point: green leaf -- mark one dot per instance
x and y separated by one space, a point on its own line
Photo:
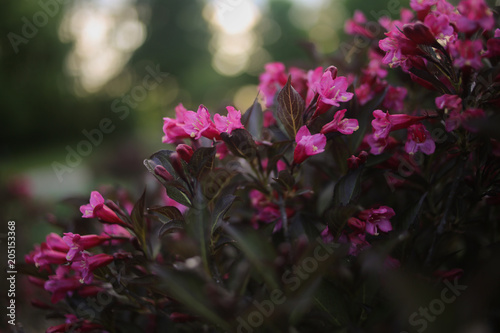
252 119
241 143
202 161
138 224
290 108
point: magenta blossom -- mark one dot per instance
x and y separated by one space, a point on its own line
313 78
355 26
394 99
422 5
475 14
384 123
271 80
198 124
331 92
307 145
339 124
172 128
97 208
79 243
87 264
229 123
95 199
377 219
467 53
419 139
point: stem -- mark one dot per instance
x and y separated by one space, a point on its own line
284 218
449 202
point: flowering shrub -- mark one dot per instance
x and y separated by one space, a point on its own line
314 214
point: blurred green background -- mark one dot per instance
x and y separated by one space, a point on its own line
84 90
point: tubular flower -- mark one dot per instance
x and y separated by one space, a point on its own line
377 219
97 208
339 124
384 123
229 123
198 124
331 91
419 139
77 243
87 264
172 128
308 145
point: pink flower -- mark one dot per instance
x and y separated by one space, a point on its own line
313 78
114 230
44 256
355 26
172 128
354 162
394 99
79 243
377 219
457 118
268 119
339 124
56 242
418 5
419 139
184 151
198 124
377 144
95 199
399 49
97 208
475 14
364 93
331 91
87 264
384 123
307 145
450 102
61 284
229 123
467 53
441 28
271 80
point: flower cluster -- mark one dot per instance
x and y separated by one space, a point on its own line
341 175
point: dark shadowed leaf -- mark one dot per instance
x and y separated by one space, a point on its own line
252 119
138 222
171 212
257 250
222 205
241 143
189 289
348 188
285 179
411 214
202 161
178 193
290 108
171 226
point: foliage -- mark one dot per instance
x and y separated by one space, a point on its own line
301 217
